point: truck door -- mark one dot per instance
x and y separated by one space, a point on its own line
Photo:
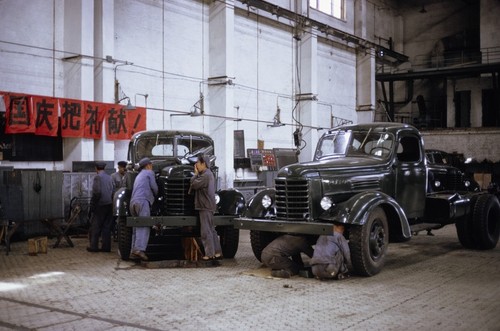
411 175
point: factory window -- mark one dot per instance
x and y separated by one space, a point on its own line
335 8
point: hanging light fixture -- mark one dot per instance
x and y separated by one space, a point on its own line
129 105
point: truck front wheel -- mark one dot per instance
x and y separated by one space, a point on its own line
368 244
124 238
229 240
486 221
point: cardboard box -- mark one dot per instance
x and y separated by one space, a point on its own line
37 245
483 179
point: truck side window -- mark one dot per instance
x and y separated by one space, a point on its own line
409 149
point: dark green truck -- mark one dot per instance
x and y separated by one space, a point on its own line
375 179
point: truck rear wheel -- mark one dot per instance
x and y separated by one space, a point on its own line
229 240
368 243
259 240
486 221
124 238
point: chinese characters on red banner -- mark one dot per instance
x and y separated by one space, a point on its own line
77 119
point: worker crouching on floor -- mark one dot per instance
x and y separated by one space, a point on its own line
282 255
332 256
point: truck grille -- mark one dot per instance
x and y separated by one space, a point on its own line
177 200
292 199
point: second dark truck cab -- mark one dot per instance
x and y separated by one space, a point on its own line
173 216
375 179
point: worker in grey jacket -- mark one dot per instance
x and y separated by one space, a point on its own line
332 256
203 185
101 206
282 255
143 195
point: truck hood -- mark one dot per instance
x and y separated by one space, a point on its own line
338 165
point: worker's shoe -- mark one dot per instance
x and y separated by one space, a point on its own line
342 276
281 273
138 255
92 250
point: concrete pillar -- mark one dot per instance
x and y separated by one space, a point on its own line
220 89
78 72
365 85
306 94
104 75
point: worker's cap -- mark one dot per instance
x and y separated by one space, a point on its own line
144 162
100 165
122 164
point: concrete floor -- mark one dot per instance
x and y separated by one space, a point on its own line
429 283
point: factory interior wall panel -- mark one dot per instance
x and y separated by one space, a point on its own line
483 146
337 83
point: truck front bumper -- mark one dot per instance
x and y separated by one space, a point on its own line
283 226
177 221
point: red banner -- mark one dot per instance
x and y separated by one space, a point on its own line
79 119
72 118
18 114
47 115
94 117
136 120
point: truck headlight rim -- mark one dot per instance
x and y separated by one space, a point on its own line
326 203
266 201
217 199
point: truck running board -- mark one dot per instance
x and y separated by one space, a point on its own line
425 226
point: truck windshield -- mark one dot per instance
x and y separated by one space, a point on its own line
158 147
355 143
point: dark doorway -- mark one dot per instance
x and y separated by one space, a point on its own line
462 109
491 116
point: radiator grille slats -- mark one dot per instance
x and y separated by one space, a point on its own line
177 200
292 199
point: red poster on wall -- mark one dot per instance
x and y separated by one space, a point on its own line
72 118
136 120
19 114
94 118
46 110
116 122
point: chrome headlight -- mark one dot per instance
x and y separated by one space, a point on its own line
266 201
437 183
326 203
467 183
217 199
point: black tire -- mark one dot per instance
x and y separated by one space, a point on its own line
259 240
486 221
465 229
368 244
124 238
465 233
229 240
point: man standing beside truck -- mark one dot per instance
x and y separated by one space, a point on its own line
203 185
143 195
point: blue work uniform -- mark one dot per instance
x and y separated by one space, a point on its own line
331 256
143 195
102 211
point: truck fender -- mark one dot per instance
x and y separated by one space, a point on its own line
121 201
255 208
357 209
232 202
